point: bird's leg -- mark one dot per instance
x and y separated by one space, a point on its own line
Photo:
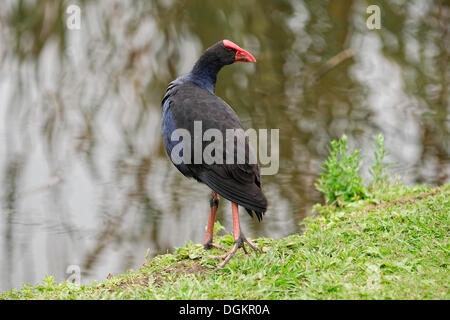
239 238
214 204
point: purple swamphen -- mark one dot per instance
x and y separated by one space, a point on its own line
190 98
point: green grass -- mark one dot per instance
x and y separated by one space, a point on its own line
394 246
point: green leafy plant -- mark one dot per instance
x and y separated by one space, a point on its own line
217 228
378 169
341 181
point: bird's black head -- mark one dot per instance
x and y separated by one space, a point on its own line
214 58
226 52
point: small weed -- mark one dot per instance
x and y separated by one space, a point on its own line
341 181
378 169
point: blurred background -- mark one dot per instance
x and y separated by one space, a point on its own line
84 176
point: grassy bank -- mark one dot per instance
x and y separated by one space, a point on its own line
395 246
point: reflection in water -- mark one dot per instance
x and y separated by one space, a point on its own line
85 179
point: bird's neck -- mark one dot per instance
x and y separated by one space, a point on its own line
204 73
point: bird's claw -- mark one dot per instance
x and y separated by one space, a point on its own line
210 245
239 243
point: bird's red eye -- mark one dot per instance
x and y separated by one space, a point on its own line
229 50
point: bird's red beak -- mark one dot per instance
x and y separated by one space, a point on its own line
241 54
244 56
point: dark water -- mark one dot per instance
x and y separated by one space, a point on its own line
84 176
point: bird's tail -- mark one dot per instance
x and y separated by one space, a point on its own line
249 196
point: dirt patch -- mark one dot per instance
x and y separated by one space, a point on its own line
142 280
157 278
183 268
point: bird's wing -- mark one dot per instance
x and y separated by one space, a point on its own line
237 182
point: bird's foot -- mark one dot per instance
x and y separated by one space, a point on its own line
239 243
209 245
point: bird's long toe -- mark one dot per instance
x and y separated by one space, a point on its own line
239 243
230 254
210 245
252 245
